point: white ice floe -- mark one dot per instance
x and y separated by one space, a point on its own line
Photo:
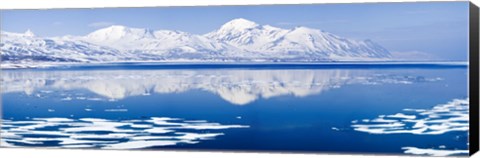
20 141
153 137
67 99
116 110
93 120
94 99
402 116
4 143
433 152
34 126
197 121
165 121
197 136
63 141
381 119
20 122
5 135
38 132
450 117
201 126
141 126
158 130
108 134
146 144
54 119
101 126
79 146
441 119
103 136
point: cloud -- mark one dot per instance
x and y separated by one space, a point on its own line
100 24
413 55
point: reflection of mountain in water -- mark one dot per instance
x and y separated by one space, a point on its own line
235 86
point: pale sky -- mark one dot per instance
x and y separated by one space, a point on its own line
435 29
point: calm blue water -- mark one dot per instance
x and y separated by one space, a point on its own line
315 109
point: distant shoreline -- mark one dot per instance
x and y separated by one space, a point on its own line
233 65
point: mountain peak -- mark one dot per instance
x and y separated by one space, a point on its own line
239 24
117 32
29 33
117 27
114 29
304 28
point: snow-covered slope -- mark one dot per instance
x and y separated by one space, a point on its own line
162 43
300 43
237 40
28 47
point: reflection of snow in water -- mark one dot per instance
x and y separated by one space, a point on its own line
235 86
443 118
108 134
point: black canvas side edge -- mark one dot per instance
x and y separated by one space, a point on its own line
473 79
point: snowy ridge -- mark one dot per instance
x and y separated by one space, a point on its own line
237 40
298 43
160 43
28 47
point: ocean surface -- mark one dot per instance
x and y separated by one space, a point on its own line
373 109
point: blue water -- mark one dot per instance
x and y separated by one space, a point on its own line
269 108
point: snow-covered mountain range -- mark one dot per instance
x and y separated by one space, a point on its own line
236 40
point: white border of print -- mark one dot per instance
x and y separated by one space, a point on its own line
44 4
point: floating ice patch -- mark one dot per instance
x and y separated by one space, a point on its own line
158 130
54 119
108 134
441 119
146 144
433 152
67 99
116 110
141 126
402 116
205 126
94 99
197 136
